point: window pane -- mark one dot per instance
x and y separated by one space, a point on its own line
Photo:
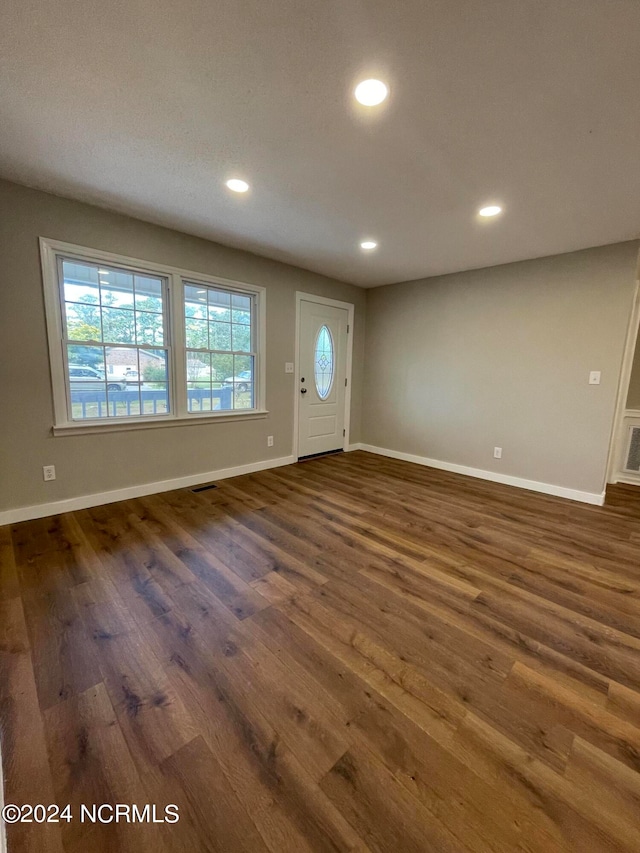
199 396
118 325
198 367
121 362
86 356
87 294
323 362
87 383
196 332
116 289
220 336
243 384
123 403
221 368
241 338
195 302
241 302
80 282
148 293
77 271
155 398
241 306
83 322
219 306
153 364
149 329
242 317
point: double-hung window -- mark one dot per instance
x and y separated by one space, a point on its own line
220 332
133 342
115 353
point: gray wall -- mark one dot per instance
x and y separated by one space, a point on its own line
454 365
633 397
501 357
94 463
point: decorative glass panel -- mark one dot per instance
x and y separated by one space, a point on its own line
323 362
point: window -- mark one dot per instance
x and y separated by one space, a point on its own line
114 334
133 343
219 336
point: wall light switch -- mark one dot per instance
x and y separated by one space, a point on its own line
497 453
288 367
594 377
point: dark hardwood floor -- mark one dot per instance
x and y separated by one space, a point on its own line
348 654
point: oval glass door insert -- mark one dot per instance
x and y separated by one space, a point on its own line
323 362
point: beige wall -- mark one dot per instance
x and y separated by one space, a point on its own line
458 364
95 463
454 365
633 397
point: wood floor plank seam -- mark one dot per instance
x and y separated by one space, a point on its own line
352 654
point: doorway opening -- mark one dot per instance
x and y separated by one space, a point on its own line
624 451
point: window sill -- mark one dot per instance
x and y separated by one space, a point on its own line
79 428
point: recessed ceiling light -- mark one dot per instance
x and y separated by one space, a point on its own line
491 210
368 244
237 185
370 93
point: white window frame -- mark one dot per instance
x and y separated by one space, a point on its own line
253 353
176 278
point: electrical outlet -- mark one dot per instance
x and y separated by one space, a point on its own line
269 441
497 453
49 472
288 367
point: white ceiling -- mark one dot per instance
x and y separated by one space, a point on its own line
148 106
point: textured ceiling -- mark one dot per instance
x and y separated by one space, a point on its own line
148 106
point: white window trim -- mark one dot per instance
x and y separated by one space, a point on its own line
176 278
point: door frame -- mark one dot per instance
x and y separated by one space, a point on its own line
624 381
333 303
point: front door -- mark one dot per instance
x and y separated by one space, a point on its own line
322 360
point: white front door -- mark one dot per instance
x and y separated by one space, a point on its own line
322 361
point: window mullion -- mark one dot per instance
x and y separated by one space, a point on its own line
80 366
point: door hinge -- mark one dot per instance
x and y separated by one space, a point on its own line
344 432
347 328
345 383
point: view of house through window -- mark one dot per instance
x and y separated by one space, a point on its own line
219 337
119 352
115 341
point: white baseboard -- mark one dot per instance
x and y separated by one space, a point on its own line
533 485
25 513
627 479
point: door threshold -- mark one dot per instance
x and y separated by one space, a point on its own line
318 455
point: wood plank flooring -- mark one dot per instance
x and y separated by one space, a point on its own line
348 654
